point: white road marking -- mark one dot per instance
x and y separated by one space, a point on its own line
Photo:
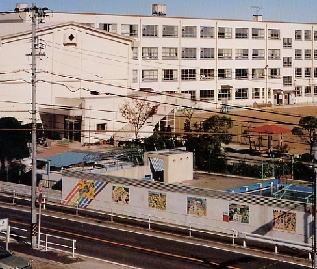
162 237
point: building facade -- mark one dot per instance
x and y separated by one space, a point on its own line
218 61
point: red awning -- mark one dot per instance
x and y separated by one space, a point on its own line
269 129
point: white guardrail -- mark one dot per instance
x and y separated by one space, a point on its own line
49 242
219 231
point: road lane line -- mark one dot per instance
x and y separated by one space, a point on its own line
134 247
162 237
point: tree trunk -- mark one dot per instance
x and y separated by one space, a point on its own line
2 161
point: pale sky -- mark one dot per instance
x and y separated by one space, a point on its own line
282 10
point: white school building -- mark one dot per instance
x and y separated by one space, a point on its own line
214 62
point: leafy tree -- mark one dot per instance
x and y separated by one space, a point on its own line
206 142
307 129
188 113
137 112
13 141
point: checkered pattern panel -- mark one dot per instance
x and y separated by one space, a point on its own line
237 197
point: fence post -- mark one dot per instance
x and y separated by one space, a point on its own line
244 243
275 249
233 236
74 247
13 200
111 215
149 222
309 256
44 202
77 205
46 242
190 230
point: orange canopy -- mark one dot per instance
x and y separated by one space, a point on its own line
269 129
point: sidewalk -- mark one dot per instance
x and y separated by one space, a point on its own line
58 260
82 263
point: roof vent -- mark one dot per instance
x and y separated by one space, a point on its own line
20 7
257 13
257 18
158 10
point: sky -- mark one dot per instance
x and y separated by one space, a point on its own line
281 10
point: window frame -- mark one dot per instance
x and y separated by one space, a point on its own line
274 34
169 55
243 93
260 30
225 34
169 74
244 34
224 54
170 34
211 34
189 53
186 33
150 32
241 73
151 52
206 74
152 77
189 74
241 56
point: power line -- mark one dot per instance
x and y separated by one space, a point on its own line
180 97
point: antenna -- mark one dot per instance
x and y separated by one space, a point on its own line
256 10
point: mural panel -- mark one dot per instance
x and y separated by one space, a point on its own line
284 221
120 194
197 206
84 192
239 213
157 200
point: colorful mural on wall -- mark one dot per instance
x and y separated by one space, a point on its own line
239 213
84 192
197 206
157 200
120 194
284 221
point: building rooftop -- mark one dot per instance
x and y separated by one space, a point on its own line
219 182
161 17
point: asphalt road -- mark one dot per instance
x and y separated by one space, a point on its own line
141 250
161 228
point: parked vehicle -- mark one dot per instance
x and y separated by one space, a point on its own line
10 261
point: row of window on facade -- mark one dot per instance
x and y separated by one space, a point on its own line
227 93
152 75
171 53
204 31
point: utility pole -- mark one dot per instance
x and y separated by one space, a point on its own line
37 14
33 190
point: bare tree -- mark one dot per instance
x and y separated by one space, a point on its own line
137 112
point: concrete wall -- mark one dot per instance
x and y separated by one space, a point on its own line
131 172
173 208
178 165
65 76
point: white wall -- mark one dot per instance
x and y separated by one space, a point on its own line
176 211
96 56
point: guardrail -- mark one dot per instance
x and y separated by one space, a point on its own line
54 245
49 242
149 220
275 242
